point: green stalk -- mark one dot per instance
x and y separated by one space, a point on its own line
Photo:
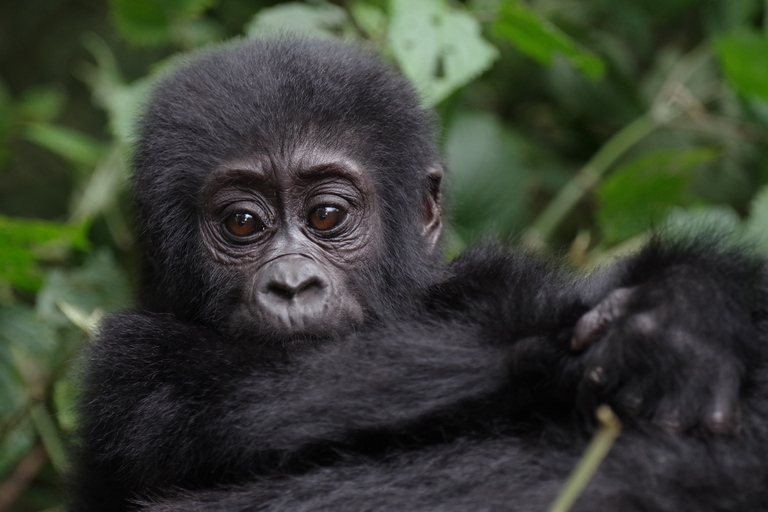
545 225
46 428
596 451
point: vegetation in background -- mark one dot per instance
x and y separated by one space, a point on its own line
573 127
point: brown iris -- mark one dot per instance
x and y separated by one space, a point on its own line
326 218
243 224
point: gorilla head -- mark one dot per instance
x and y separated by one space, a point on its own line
280 195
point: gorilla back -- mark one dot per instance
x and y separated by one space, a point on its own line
299 343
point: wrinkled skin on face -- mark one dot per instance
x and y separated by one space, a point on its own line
297 232
290 199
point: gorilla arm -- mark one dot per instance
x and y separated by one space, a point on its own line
171 404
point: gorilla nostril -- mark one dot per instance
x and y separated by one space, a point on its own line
312 284
287 291
281 290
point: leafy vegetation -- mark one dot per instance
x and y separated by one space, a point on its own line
574 127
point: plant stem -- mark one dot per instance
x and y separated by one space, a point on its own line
46 428
544 226
596 451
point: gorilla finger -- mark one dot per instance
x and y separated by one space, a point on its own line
594 323
678 411
591 392
587 329
600 382
723 415
596 376
670 421
632 400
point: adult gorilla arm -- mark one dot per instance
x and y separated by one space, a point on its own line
170 404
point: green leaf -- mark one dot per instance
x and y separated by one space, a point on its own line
640 194
322 21
540 40
731 15
488 178
15 445
25 243
151 22
103 187
371 19
125 104
122 102
100 284
20 327
12 391
438 48
70 144
41 104
741 57
65 395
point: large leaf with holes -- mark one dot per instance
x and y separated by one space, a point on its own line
438 48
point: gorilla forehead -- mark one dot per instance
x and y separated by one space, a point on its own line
267 97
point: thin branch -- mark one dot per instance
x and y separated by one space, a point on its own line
672 101
49 434
596 451
589 175
23 475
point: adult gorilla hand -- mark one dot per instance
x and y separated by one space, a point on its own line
675 350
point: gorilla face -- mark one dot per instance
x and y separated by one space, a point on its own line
297 233
295 198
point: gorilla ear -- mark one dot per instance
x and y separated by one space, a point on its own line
433 220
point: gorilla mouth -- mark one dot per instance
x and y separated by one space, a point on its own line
307 340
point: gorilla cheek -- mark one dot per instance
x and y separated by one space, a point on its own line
296 295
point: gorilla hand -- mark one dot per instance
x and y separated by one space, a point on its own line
670 350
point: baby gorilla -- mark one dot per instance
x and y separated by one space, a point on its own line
299 342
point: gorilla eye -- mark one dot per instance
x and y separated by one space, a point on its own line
243 224
325 218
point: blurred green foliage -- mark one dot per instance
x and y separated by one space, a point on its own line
573 127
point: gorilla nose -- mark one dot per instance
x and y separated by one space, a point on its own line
290 288
293 291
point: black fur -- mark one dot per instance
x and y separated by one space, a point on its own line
460 391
